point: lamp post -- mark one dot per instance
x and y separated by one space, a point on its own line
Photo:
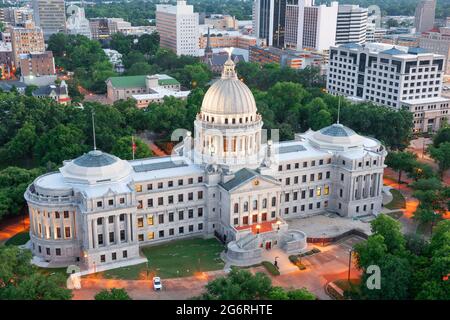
278 225
257 228
349 263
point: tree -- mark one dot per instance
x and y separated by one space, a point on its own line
148 44
19 280
141 68
123 149
442 135
61 143
370 251
442 156
21 145
238 285
112 294
390 229
29 89
133 57
13 183
421 171
400 161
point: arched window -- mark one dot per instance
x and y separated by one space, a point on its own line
226 120
264 203
245 206
255 204
274 201
236 207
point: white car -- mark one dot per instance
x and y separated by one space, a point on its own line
157 285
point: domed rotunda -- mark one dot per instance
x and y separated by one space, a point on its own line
228 127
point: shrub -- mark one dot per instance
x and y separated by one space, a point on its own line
315 250
293 259
271 268
301 266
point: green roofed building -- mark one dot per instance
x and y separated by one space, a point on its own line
125 87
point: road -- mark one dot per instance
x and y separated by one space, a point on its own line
329 265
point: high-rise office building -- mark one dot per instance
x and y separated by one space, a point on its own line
178 28
437 41
50 15
351 24
269 22
393 76
295 10
424 17
319 26
26 39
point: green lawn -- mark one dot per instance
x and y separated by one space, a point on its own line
18 239
346 286
395 214
51 271
174 259
398 201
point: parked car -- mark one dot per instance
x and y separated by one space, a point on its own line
157 285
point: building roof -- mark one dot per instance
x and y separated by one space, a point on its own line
229 95
95 159
242 176
8 85
139 81
350 45
417 50
392 51
219 59
337 130
47 90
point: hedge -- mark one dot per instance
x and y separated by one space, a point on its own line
271 268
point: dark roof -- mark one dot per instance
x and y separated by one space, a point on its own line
392 51
8 84
46 90
417 50
158 166
95 158
220 59
337 130
243 176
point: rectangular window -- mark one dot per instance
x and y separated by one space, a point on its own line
140 237
170 199
67 232
161 218
190 181
149 186
200 212
190 213
138 188
140 222
160 185
170 216
171 231
113 256
180 198
125 254
122 235
160 201
200 195
180 182
191 228
200 226
111 237
150 203
100 239
161 234
102 258
66 214
170 184
149 219
180 215
58 251
150 235
181 230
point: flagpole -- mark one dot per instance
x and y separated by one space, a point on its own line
133 146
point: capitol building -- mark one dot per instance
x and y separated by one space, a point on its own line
226 180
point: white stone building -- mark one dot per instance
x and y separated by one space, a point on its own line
225 181
394 76
178 28
76 22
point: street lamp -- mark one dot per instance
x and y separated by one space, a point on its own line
278 225
257 228
349 263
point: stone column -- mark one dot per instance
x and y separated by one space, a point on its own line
106 230
89 232
117 228
61 225
128 226
95 232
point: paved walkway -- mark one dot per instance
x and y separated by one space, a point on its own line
173 289
284 265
